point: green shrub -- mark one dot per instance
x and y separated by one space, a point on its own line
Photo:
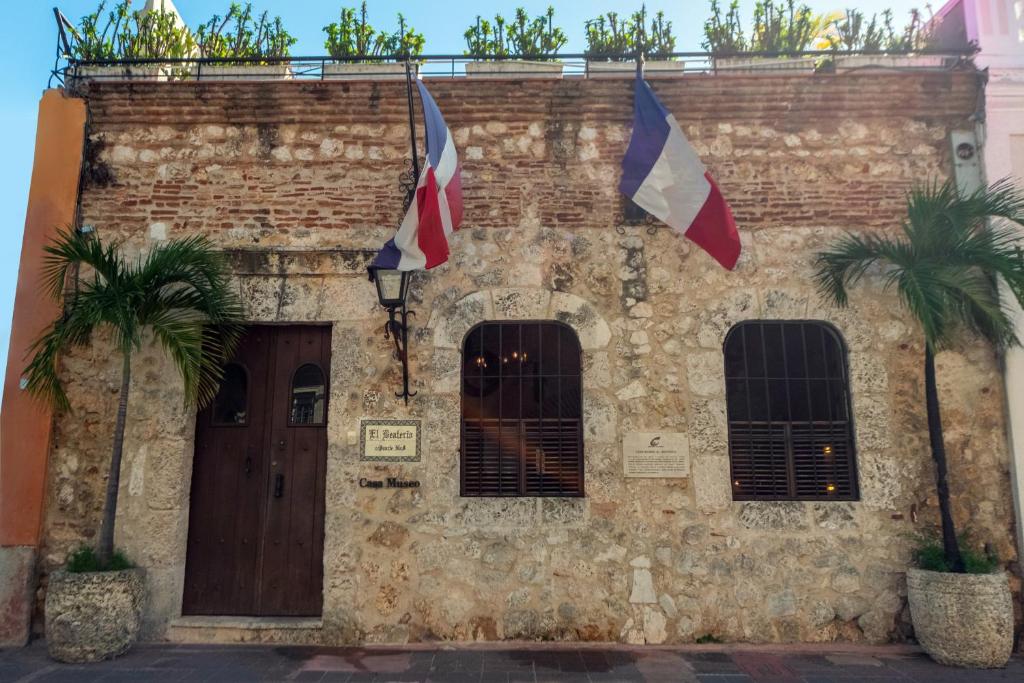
617 40
130 35
522 38
930 555
353 36
85 560
723 32
849 32
240 34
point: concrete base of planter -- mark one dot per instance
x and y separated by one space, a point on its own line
244 72
747 65
889 61
93 616
374 71
145 72
628 69
962 619
517 68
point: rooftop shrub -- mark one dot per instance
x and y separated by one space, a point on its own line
854 32
239 33
523 37
617 40
130 35
353 36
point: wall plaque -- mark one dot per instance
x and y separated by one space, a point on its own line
389 440
656 455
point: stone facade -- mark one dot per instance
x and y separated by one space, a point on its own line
299 182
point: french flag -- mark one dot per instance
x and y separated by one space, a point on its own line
663 175
436 211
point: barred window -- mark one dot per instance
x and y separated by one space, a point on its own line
790 426
521 410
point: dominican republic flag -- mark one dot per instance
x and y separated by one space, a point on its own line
436 210
663 175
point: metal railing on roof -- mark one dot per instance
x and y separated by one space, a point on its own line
574 65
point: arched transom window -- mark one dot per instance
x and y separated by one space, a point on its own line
521 410
790 424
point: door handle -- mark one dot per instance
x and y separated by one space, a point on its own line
278 486
248 466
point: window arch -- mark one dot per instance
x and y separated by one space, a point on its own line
231 404
522 415
308 397
788 403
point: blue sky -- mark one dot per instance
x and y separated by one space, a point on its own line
27 55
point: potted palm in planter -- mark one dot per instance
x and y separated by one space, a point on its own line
352 38
521 47
129 36
260 46
779 27
946 268
874 38
181 296
613 46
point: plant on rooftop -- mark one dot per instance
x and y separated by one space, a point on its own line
353 36
945 265
784 27
533 39
615 40
128 35
522 38
723 32
852 32
239 33
180 295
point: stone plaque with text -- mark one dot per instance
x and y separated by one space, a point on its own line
656 455
389 440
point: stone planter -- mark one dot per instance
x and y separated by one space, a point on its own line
93 616
120 72
627 69
517 68
889 61
747 65
368 71
243 72
962 619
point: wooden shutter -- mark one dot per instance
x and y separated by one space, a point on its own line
790 432
521 411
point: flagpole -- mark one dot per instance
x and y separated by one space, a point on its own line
412 126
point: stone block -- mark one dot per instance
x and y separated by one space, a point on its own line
452 324
590 327
521 304
17 594
773 515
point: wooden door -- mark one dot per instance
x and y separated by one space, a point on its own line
256 523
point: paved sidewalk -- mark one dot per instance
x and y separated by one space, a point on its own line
564 663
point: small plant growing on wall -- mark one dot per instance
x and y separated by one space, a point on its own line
239 33
353 36
180 295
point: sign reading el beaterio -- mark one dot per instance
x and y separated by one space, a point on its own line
389 440
656 454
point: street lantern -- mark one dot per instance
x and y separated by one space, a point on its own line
392 292
392 286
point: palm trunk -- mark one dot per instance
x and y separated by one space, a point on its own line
106 544
950 545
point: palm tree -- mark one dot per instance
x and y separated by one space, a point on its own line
180 293
946 267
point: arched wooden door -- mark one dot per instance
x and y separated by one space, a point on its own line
256 520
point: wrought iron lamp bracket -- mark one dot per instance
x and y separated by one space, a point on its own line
397 329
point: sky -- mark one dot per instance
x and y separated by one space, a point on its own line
28 55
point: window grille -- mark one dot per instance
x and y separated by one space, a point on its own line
521 411
790 424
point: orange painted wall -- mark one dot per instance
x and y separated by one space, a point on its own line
25 423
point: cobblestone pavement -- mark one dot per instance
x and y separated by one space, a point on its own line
513 662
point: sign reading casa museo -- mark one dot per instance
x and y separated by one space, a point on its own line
656 454
389 440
